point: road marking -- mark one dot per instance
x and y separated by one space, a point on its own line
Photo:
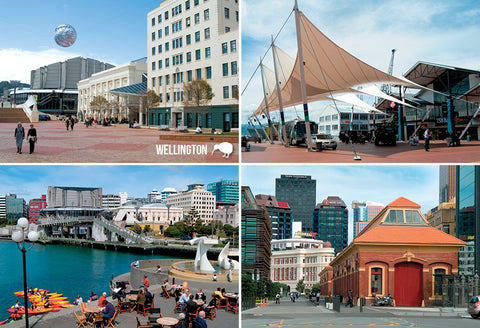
391 324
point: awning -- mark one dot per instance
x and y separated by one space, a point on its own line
138 89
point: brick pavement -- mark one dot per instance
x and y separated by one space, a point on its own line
112 144
468 152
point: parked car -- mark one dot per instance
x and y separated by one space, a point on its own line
326 140
43 117
474 307
185 237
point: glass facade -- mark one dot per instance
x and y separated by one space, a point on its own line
330 222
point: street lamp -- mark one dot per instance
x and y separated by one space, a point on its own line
18 236
168 219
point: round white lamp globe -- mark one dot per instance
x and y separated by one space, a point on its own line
33 236
17 236
22 223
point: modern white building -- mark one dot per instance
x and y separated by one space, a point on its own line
167 192
74 197
3 207
100 84
153 196
123 197
111 201
335 119
227 216
190 40
299 258
198 198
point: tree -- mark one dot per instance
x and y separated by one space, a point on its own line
300 286
174 231
137 228
100 104
229 230
198 94
147 228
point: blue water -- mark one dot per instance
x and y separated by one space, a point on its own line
71 270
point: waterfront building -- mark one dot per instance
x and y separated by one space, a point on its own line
299 258
337 119
167 192
15 207
104 83
330 222
227 214
194 40
35 206
256 234
468 211
399 254
197 198
74 197
224 190
111 201
159 216
153 196
55 86
3 207
442 217
280 216
447 183
363 213
299 191
123 197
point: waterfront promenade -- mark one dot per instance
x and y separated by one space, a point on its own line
304 314
102 144
468 152
66 319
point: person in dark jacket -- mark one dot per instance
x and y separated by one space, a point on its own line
32 137
19 136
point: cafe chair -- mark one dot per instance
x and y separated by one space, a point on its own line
222 303
210 312
143 324
82 320
111 322
165 293
141 308
232 305
98 320
153 315
123 305
192 314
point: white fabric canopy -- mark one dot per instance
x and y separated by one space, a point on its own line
329 70
354 100
376 92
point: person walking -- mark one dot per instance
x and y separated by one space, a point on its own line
349 299
32 137
427 136
67 123
277 298
19 136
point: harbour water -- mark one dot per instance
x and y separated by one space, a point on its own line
71 270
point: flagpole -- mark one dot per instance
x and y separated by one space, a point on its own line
279 94
302 77
270 130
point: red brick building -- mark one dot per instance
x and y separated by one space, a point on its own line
399 254
34 207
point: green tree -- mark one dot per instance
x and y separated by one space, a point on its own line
198 94
191 221
229 230
137 228
316 287
147 228
173 231
99 104
300 286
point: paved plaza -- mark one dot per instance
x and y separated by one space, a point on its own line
468 152
102 144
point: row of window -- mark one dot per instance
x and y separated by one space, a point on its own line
285 260
178 43
281 274
348 116
176 11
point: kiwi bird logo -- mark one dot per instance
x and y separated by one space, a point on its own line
225 147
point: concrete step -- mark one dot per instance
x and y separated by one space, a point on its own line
13 115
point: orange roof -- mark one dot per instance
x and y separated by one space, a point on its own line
407 235
403 202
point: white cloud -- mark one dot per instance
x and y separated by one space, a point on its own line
17 64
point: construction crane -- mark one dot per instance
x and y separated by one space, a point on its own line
387 88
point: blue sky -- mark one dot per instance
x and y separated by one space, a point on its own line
377 183
435 31
33 180
114 31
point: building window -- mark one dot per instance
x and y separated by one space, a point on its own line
438 279
167 31
227 29
167 46
153 21
233 68
207 33
197 54
160 64
195 2
197 18
159 33
199 73
235 93
153 65
189 76
154 80
209 72
376 275
207 52
226 93
224 48
160 18
160 49
187 21
154 49
225 69
236 15
187 5
189 39
167 62
395 216
233 46
197 36
189 57
167 79
166 15
206 14
153 36
446 228
227 13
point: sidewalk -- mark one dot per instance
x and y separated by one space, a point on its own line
102 144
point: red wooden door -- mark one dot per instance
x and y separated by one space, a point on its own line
408 284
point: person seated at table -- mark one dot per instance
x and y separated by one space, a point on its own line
182 321
128 287
199 322
78 300
191 305
167 286
218 294
201 295
148 298
108 310
208 307
141 297
185 296
93 297
101 299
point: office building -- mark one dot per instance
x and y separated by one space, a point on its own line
111 201
330 222
299 258
167 192
153 196
447 183
3 207
15 207
74 197
299 191
225 191
227 214
363 213
193 40
442 217
256 234
280 216
35 206
123 197
198 198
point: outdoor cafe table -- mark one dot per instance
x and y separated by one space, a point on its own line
199 302
90 312
167 321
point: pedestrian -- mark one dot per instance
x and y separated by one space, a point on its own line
318 297
230 271
349 299
72 123
277 298
19 136
67 123
32 137
427 136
